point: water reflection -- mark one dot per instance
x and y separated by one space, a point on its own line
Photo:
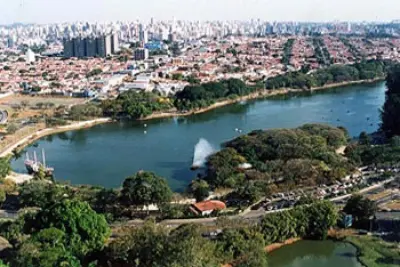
315 254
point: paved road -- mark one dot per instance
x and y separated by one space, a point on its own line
251 215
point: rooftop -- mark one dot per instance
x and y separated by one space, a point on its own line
210 205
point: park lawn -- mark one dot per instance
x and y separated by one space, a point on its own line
375 252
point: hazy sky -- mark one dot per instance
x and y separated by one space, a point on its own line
44 11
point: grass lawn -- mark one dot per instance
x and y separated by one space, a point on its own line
375 252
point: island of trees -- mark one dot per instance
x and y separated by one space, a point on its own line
281 158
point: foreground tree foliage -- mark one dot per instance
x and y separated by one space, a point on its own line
46 249
84 230
153 245
301 156
245 246
62 234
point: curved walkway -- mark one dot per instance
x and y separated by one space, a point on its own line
40 133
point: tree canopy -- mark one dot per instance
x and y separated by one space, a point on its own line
40 194
360 207
391 109
334 74
203 95
145 188
135 105
84 230
5 167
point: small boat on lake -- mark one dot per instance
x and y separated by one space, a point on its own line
33 165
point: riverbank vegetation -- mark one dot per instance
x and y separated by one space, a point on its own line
375 252
365 70
200 96
135 105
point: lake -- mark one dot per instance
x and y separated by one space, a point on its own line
315 254
106 154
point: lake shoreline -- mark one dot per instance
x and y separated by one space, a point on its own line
27 140
276 246
256 95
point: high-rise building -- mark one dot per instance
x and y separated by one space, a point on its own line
91 47
30 56
172 37
108 45
68 48
11 41
143 34
79 47
141 54
114 43
101 46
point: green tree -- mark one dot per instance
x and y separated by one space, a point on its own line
364 139
391 109
322 216
243 245
222 168
46 249
12 128
200 189
85 231
187 247
141 246
5 167
40 194
395 141
177 76
3 196
360 207
145 188
278 227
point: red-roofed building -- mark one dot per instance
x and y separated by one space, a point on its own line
207 207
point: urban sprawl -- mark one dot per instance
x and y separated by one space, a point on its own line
102 60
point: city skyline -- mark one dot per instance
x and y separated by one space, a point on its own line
46 11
